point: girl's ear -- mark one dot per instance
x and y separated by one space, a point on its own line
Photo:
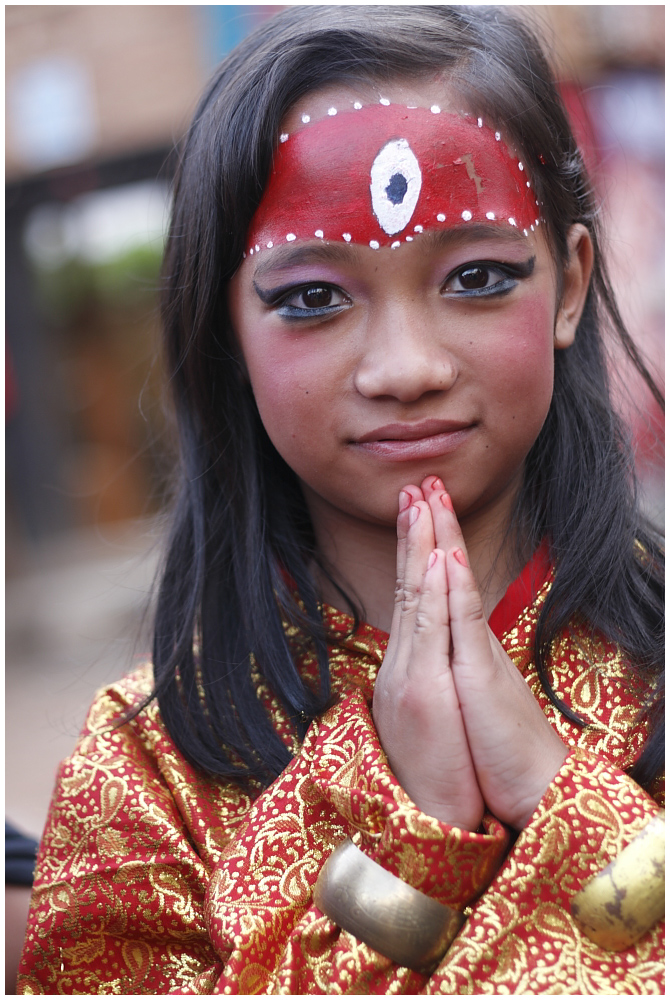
576 278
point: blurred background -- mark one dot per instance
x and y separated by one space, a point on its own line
97 97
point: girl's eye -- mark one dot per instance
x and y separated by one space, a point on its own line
481 279
316 298
312 301
475 277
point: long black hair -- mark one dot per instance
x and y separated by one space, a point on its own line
240 527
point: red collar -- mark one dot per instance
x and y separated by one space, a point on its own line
521 592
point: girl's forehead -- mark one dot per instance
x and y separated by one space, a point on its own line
422 92
382 173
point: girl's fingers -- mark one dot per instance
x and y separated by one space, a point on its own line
448 533
469 630
408 495
515 751
430 641
420 540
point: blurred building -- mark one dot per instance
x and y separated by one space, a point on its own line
97 98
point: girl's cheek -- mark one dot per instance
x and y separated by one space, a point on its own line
288 374
524 346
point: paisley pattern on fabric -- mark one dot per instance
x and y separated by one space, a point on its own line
154 879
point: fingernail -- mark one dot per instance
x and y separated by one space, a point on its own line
404 500
413 514
432 558
459 556
437 483
446 502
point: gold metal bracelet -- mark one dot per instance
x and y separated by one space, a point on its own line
381 910
626 898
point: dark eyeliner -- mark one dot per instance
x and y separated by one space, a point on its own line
522 270
276 297
512 272
271 296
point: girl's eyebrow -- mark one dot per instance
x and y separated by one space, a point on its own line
320 253
340 253
478 233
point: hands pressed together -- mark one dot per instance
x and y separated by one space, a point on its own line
461 728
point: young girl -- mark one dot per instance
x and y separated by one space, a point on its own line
384 308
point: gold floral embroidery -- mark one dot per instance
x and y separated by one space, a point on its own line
153 878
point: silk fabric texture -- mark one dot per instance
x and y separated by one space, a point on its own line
153 878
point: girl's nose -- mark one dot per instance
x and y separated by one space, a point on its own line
404 358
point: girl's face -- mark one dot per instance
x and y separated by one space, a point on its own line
374 368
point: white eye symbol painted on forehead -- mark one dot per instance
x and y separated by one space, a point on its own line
395 185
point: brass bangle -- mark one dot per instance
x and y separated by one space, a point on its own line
626 898
384 912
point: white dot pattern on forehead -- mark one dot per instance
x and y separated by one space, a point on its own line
347 237
441 217
257 248
290 237
395 244
244 255
525 232
409 238
319 233
385 101
251 253
374 244
306 119
532 228
270 245
480 122
527 184
466 215
418 229
490 215
283 137
358 105
512 221
497 135
435 109
520 165
332 111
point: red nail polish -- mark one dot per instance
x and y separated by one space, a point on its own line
432 558
413 514
459 556
437 483
404 500
446 502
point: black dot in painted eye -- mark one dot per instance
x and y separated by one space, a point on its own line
317 298
396 189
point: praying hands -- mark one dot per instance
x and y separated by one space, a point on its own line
461 728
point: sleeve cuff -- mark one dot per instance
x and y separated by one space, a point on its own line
450 865
588 815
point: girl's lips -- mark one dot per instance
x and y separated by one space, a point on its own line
428 441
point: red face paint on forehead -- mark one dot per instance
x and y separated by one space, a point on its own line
382 174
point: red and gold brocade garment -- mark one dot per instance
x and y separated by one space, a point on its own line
155 879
